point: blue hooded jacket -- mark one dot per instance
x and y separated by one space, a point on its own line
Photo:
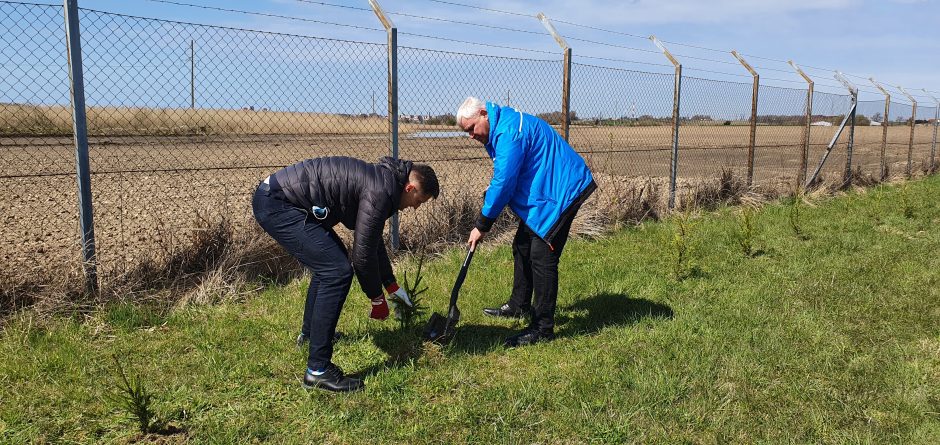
535 172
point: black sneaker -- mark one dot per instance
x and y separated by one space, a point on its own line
303 339
505 311
332 379
528 337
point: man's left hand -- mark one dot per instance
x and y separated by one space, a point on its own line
399 294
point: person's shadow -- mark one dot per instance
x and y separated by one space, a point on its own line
591 314
603 310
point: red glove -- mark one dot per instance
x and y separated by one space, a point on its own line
379 308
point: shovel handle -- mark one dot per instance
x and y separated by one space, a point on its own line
460 277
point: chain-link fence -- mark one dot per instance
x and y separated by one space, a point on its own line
185 119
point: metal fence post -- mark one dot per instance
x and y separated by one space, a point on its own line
392 98
566 74
804 159
936 122
82 164
750 149
676 95
910 146
853 90
884 131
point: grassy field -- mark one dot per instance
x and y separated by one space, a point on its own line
828 332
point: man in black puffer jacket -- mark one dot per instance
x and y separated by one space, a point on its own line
299 205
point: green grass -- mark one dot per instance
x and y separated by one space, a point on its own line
828 337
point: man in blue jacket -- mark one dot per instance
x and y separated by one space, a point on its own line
544 182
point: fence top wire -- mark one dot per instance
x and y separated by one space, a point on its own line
482 8
619 69
729 82
424 17
579 56
230 28
490 45
639 37
31 4
265 14
490 56
717 72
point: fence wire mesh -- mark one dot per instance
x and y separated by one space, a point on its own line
781 126
185 119
707 146
428 132
621 120
37 156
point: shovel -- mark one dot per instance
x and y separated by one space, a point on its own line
440 329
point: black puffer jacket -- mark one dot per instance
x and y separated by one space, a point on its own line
359 195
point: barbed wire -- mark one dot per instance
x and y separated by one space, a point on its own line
453 3
482 8
718 72
608 59
30 3
264 14
424 17
477 43
576 39
685 56
231 28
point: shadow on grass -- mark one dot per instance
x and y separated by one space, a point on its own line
607 310
405 346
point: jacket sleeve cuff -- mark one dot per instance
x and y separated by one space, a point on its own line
483 223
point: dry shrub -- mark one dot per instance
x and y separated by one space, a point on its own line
216 263
448 221
929 166
861 178
620 201
728 189
45 290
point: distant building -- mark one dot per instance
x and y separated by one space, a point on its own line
874 123
821 124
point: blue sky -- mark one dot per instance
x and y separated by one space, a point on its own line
896 41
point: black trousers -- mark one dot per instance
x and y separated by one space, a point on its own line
536 271
321 251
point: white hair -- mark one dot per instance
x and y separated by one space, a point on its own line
469 108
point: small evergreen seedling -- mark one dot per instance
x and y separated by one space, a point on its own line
134 398
794 216
681 248
407 316
746 231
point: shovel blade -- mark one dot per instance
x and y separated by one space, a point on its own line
439 328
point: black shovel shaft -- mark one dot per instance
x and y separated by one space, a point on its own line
460 277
